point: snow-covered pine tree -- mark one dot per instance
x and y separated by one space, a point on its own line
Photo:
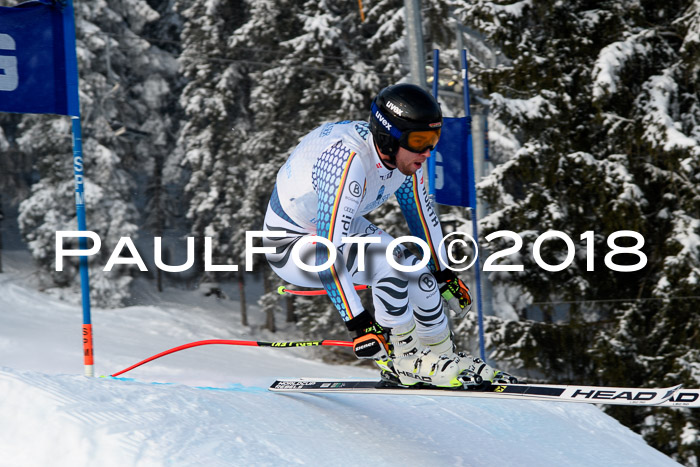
15 171
161 183
601 102
215 103
262 40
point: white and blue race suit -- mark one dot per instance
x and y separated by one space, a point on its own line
330 181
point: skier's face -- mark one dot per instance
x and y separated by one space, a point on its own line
409 162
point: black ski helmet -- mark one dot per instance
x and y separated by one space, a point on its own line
399 110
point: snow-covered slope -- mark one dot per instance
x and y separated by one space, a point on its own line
217 410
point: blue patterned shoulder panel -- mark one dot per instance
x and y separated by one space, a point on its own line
362 129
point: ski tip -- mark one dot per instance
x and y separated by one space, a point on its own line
671 391
686 398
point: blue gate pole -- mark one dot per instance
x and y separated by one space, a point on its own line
431 160
74 111
471 183
88 350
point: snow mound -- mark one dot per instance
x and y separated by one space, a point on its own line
72 420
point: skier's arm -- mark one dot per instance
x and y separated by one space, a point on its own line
339 179
340 184
423 223
422 220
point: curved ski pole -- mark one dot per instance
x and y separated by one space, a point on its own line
282 290
327 343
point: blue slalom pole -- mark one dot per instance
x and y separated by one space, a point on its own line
88 350
74 112
431 160
471 184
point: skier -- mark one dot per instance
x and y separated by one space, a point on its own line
338 173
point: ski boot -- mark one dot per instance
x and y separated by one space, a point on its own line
426 362
476 374
403 342
433 362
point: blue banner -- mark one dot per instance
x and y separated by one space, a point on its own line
454 166
35 76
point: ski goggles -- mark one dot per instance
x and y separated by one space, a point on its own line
420 141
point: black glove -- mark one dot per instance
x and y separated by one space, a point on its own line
455 292
370 341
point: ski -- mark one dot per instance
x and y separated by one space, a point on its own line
540 392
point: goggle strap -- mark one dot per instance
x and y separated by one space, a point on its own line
383 121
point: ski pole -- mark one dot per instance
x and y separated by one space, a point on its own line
282 290
328 343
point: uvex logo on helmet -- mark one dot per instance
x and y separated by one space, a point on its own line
383 120
395 108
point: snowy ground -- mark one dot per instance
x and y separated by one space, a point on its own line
217 411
